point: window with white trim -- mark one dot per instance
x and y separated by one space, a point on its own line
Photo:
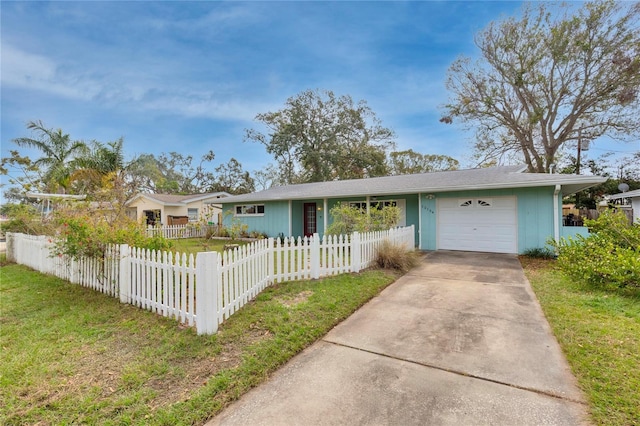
193 215
249 209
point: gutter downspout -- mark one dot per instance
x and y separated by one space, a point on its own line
556 213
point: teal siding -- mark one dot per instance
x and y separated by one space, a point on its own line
573 231
535 217
428 227
274 221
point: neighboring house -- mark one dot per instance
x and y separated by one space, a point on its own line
167 209
634 199
498 209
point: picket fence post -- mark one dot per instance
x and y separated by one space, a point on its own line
271 265
124 277
315 257
206 292
355 252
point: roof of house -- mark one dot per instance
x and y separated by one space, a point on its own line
459 180
628 194
179 200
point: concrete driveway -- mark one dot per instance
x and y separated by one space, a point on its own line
460 340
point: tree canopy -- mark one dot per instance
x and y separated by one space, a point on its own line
410 162
545 80
319 136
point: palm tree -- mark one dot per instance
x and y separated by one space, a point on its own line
102 168
58 151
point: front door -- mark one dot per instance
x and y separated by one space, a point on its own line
309 219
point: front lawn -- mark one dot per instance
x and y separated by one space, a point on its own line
71 355
599 332
195 245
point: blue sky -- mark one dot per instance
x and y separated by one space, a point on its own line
191 76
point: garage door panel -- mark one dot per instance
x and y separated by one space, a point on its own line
478 224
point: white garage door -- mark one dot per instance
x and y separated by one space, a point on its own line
478 224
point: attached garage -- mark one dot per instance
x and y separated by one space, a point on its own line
487 224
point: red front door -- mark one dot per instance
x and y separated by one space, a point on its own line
309 219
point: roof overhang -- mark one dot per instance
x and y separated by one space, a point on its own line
628 194
569 186
154 200
43 196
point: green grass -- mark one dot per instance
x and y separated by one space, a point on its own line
71 355
599 332
195 245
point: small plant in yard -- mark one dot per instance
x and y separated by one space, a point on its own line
540 253
392 256
609 256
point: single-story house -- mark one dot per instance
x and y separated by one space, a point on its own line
168 209
634 199
499 209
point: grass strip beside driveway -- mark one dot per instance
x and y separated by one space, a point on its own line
72 355
599 332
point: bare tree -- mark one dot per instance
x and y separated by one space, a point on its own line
546 80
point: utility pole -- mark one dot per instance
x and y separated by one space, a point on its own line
579 150
578 165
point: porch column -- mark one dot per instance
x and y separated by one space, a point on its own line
325 206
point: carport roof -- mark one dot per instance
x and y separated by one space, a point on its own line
179 200
629 194
458 180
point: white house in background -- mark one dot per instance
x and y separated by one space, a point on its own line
634 200
168 209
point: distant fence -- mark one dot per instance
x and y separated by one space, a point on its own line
594 214
181 231
206 289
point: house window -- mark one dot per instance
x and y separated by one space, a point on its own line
193 215
249 209
362 205
466 203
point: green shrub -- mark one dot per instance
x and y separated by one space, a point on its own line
82 233
609 256
25 219
347 219
392 256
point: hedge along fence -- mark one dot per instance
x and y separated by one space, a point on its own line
206 289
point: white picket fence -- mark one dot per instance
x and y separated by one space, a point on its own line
36 252
179 231
206 289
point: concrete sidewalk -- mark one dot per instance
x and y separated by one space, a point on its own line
460 340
